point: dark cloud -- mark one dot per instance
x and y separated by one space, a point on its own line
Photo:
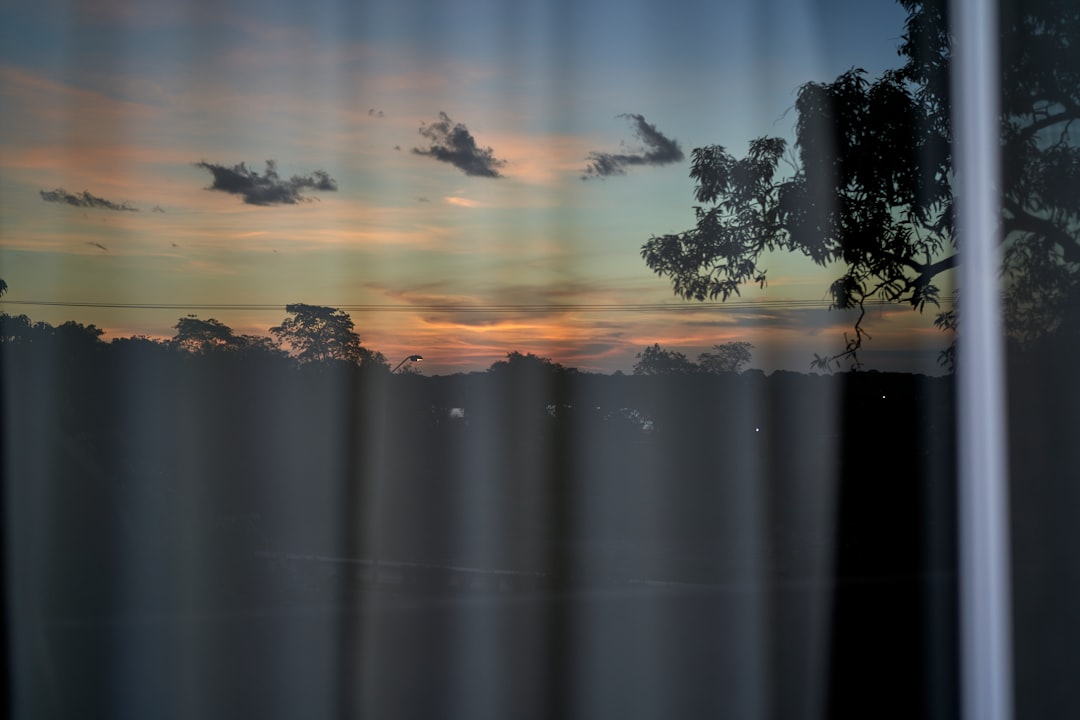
811 319
268 188
658 150
452 143
375 113
443 303
84 200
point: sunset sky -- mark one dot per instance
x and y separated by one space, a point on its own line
465 178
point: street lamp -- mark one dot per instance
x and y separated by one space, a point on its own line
380 465
411 358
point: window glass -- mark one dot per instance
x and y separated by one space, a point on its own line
510 359
1039 221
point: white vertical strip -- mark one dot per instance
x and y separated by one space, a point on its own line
985 610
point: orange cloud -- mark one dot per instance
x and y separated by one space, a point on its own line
541 159
461 202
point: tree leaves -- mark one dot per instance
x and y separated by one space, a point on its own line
727 357
872 185
657 361
319 334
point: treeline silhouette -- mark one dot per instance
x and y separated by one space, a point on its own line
148 446
143 476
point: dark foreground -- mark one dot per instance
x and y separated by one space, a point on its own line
736 547
636 652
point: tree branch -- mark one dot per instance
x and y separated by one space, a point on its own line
925 271
1022 221
1071 112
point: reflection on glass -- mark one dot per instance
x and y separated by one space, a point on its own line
681 278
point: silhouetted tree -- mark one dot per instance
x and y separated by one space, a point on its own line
21 329
137 343
259 344
205 336
71 336
373 360
319 334
870 180
201 336
76 337
728 357
657 361
517 363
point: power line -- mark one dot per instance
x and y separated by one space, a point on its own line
452 308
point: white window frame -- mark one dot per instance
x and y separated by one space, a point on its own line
985 607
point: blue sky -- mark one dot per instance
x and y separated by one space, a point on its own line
429 157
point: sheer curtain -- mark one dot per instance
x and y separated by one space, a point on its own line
375 360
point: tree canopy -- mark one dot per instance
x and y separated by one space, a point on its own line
211 335
655 360
729 357
322 334
198 335
316 333
20 329
519 364
869 182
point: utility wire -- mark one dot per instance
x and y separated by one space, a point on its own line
453 308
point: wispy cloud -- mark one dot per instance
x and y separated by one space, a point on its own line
268 188
99 246
461 202
453 143
84 200
658 150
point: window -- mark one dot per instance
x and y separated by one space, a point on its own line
535 360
